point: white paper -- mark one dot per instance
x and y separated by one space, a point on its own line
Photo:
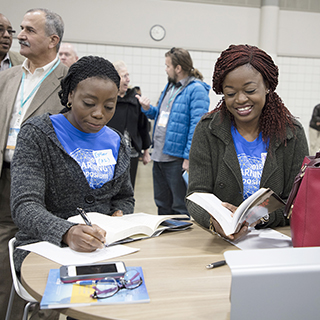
66 256
263 239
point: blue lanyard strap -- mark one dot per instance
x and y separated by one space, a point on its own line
23 102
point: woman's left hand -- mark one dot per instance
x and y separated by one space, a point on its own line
117 213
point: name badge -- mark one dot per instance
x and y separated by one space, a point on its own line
104 157
12 138
163 120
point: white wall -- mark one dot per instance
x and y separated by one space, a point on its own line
124 22
298 34
120 30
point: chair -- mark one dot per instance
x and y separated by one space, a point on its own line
18 287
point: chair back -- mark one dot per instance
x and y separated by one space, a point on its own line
20 290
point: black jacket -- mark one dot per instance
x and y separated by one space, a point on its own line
129 116
315 117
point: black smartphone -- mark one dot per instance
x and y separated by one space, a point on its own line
96 271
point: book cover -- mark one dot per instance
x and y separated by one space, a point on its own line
65 295
136 225
258 205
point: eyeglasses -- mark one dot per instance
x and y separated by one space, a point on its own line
108 287
3 31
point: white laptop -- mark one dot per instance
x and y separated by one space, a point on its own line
271 284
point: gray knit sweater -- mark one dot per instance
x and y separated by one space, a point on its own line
48 185
214 166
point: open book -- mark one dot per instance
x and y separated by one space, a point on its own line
258 205
132 227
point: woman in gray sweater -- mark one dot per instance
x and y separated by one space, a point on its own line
251 140
71 160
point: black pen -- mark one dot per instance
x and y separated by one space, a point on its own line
216 264
86 219
84 216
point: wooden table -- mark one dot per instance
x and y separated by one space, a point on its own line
178 283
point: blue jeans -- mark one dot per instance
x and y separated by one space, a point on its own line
169 187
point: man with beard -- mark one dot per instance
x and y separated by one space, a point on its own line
7 58
26 91
182 103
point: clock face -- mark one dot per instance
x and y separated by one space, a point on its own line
157 32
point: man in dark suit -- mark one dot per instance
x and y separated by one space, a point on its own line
7 58
26 91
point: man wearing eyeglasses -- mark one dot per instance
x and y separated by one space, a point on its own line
182 103
26 91
7 58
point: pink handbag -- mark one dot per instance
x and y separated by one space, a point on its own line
303 205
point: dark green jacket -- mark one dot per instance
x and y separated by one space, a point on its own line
214 166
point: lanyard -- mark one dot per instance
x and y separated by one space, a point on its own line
172 96
23 102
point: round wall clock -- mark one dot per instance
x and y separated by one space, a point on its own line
157 32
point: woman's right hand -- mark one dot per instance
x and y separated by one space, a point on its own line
84 238
217 228
235 236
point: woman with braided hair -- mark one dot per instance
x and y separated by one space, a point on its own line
250 140
72 160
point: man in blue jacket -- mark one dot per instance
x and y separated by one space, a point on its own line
182 103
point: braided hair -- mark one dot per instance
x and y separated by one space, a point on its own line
87 67
275 116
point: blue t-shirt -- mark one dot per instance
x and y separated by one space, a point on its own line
251 157
96 153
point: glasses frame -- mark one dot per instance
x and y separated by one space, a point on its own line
121 283
3 31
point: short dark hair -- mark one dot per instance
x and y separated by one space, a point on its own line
87 67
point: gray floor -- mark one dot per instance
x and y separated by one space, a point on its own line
143 194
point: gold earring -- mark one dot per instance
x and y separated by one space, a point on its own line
69 105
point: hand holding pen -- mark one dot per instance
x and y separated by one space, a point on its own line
87 221
85 238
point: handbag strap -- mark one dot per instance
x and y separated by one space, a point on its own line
309 162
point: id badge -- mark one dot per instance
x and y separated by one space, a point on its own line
104 157
163 120
12 138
